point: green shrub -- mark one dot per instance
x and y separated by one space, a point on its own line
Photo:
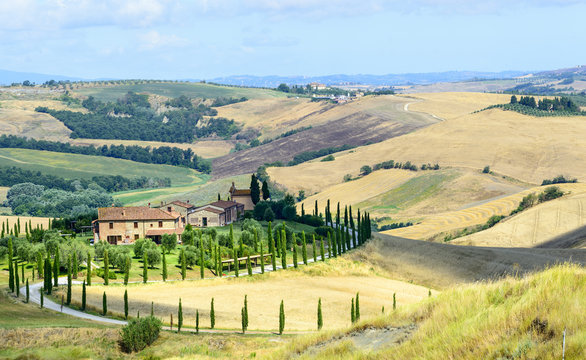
139 333
100 273
329 158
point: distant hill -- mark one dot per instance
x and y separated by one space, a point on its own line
8 77
366 79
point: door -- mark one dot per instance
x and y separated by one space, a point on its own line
204 221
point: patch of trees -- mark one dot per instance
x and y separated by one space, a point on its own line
10 176
256 142
162 155
528 105
36 200
492 221
220 126
560 179
391 164
395 226
310 155
223 101
132 118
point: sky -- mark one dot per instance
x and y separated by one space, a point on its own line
203 39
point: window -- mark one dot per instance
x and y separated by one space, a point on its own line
111 225
135 236
136 224
160 224
169 209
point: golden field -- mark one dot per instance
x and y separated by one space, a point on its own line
12 220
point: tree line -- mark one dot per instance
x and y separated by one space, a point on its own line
10 176
157 155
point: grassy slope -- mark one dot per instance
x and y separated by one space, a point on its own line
194 90
84 166
483 321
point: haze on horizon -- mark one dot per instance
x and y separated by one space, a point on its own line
167 39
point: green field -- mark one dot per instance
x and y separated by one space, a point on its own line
173 90
73 166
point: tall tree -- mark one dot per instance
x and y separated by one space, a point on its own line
314 249
320 320
16 278
304 248
281 318
201 257
271 242
126 304
88 271
357 306
179 317
107 267
10 265
212 315
254 190
56 267
83 296
145 268
183 264
104 304
27 290
265 190
164 266
236 262
262 259
75 265
69 277
284 248
321 249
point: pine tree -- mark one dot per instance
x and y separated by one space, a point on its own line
394 301
357 305
201 262
183 264
212 315
262 259
10 269
197 321
322 250
254 190
145 268
127 271
107 267
265 190
271 242
88 271
56 266
304 248
281 318
352 313
83 296
42 296
69 276
126 304
236 262
320 321
284 248
179 317
16 278
27 290
75 266
104 304
164 274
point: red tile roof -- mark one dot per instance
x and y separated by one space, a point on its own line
133 213
210 209
240 192
224 204
182 204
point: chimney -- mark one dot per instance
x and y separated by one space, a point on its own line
149 204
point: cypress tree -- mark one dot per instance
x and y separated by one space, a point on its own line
127 270
322 250
236 262
88 271
382 310
320 321
10 265
75 270
316 209
329 245
254 190
429 293
304 248
357 312
56 266
302 210
352 313
48 277
265 190
197 321
16 278
179 317
249 265
279 244
314 248
18 222
201 262
245 308
3 229
145 269
281 318
40 266
232 236
164 266
107 267
22 272
338 215
69 276
183 264
42 296
33 270
271 242
30 225
255 240
262 259
219 259
126 304
104 304
295 254
152 308
335 244
27 290
284 248
212 315
394 301
242 320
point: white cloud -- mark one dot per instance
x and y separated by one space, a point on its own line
153 40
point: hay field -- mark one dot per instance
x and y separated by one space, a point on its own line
85 166
474 215
300 289
40 221
27 123
526 148
536 225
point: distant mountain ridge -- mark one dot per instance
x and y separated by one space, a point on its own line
8 77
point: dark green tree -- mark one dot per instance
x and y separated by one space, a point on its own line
183 264
394 301
321 249
107 267
164 267
88 271
320 320
262 259
212 315
197 321
303 248
314 248
83 296
249 265
201 257
329 245
271 242
69 278
56 267
104 304
357 306
281 318
27 291
16 278
254 190
126 304
42 296
295 265
145 268
284 249
265 191
236 262
179 317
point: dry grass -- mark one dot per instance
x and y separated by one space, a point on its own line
336 284
483 321
536 225
523 147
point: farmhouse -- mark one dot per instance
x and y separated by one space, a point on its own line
181 207
242 196
218 213
124 225
317 86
